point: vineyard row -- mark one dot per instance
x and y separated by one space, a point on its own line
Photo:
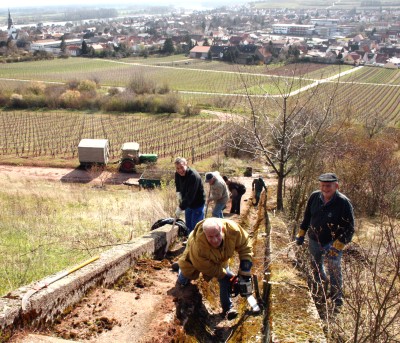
58 135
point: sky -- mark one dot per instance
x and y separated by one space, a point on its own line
111 3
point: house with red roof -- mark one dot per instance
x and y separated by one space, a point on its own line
199 52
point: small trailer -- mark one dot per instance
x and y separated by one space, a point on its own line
154 178
93 151
96 152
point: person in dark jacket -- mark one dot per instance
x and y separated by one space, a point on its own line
190 194
236 189
329 221
257 186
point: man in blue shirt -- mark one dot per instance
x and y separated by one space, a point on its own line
329 221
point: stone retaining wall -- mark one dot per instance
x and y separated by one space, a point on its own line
50 302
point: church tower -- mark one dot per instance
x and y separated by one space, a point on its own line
12 31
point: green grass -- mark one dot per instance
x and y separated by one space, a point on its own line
203 76
45 227
375 75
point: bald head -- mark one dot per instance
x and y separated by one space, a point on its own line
212 228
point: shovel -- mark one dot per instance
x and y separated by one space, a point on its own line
41 285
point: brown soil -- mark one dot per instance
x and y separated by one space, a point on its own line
141 305
146 305
69 175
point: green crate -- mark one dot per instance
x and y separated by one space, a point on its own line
153 178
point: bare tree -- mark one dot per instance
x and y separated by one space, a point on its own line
288 126
372 289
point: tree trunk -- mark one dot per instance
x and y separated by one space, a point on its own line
279 193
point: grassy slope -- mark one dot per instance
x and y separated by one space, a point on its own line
45 227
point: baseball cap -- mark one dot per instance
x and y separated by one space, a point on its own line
209 176
328 177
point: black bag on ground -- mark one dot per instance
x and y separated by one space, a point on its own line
183 230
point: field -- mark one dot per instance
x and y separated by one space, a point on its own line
216 84
55 136
375 75
197 76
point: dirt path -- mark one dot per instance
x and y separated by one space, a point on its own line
145 305
68 174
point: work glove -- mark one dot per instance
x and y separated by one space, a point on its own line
300 237
335 249
244 268
179 197
178 212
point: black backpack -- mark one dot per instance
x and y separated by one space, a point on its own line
183 230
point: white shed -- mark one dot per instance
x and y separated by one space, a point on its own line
93 151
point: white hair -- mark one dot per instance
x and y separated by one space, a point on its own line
212 223
180 160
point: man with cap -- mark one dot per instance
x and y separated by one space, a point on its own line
219 193
329 221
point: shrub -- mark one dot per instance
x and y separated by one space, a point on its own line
190 110
92 103
3 100
36 88
87 86
170 103
113 104
53 95
370 171
163 89
151 104
140 85
70 99
125 102
35 101
17 101
113 91
73 84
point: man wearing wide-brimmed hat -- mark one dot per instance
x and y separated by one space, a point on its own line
329 221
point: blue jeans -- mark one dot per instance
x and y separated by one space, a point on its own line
257 196
317 253
224 288
193 216
182 280
217 210
224 291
